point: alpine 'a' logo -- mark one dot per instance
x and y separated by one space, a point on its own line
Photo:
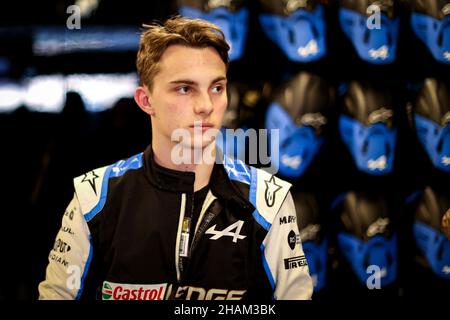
445 160
447 55
377 164
292 162
227 231
271 189
380 53
311 49
446 269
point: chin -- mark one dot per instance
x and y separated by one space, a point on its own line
202 143
196 144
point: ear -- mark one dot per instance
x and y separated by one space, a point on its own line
141 96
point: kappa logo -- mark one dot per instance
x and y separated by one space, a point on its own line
271 190
380 53
227 232
90 177
311 49
377 164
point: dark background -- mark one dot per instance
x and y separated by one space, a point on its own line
41 152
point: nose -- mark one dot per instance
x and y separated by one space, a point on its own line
204 104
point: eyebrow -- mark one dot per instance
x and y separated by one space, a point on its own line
186 81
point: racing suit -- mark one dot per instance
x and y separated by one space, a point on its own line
125 235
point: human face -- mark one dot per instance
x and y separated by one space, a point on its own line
188 93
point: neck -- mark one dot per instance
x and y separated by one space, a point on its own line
202 169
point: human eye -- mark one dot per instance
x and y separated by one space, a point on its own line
183 89
217 88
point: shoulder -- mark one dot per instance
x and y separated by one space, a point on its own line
267 192
91 187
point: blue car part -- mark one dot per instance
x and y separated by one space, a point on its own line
431 112
366 236
429 229
378 251
430 21
309 216
299 111
231 16
435 139
374 43
298 144
372 147
435 246
316 255
367 126
299 30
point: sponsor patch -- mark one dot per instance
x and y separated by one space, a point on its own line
61 246
295 262
293 239
287 219
121 291
271 189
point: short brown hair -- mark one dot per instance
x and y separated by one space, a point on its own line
156 38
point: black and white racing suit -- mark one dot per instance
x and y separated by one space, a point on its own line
126 235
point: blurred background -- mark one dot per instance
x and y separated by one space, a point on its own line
358 88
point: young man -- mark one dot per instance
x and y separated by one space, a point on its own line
152 227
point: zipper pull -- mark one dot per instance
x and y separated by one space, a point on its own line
184 240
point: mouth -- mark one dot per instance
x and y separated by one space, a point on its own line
202 125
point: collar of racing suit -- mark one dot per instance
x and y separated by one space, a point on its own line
183 182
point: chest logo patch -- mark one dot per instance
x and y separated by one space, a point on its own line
227 232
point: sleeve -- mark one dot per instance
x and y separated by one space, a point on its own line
69 258
283 257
